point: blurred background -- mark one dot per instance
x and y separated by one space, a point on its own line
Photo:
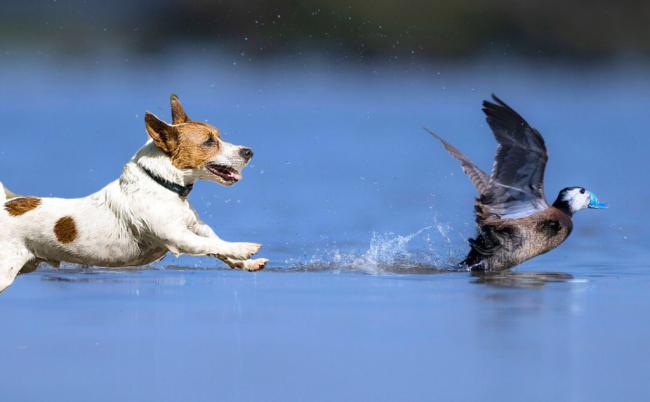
352 30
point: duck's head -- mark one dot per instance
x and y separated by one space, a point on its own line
573 199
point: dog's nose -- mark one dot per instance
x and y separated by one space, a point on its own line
246 153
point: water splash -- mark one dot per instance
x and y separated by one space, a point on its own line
385 250
427 250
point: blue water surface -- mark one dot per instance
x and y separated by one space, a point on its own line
361 214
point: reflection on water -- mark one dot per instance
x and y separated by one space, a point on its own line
505 279
94 274
513 279
397 267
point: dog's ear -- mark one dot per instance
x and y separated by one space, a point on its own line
178 113
163 135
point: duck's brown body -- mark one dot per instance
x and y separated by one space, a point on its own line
503 244
515 223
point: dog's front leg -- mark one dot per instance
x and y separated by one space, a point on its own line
204 230
186 241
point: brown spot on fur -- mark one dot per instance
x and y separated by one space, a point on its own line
65 230
19 206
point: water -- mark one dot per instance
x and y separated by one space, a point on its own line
363 216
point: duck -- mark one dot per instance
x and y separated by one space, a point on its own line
514 221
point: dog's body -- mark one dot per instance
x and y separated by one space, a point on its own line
136 219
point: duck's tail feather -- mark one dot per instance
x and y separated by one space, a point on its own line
478 177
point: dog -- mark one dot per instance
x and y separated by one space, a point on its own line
138 218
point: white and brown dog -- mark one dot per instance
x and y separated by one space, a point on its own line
136 219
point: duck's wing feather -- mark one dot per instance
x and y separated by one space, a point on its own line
516 186
478 177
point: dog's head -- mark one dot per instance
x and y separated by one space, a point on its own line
197 147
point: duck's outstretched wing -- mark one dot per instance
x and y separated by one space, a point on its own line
516 186
480 179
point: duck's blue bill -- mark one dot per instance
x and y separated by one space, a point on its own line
595 204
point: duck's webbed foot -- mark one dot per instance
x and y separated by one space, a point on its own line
480 267
474 262
482 247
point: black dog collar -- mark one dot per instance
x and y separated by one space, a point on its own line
182 191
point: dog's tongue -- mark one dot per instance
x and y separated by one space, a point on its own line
235 176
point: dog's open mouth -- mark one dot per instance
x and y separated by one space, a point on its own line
225 173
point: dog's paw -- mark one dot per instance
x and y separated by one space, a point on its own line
254 265
247 265
243 251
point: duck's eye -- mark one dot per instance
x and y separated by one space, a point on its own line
582 191
209 142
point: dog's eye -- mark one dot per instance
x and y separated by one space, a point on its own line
209 142
582 191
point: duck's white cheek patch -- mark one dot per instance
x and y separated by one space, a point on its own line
579 202
65 230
